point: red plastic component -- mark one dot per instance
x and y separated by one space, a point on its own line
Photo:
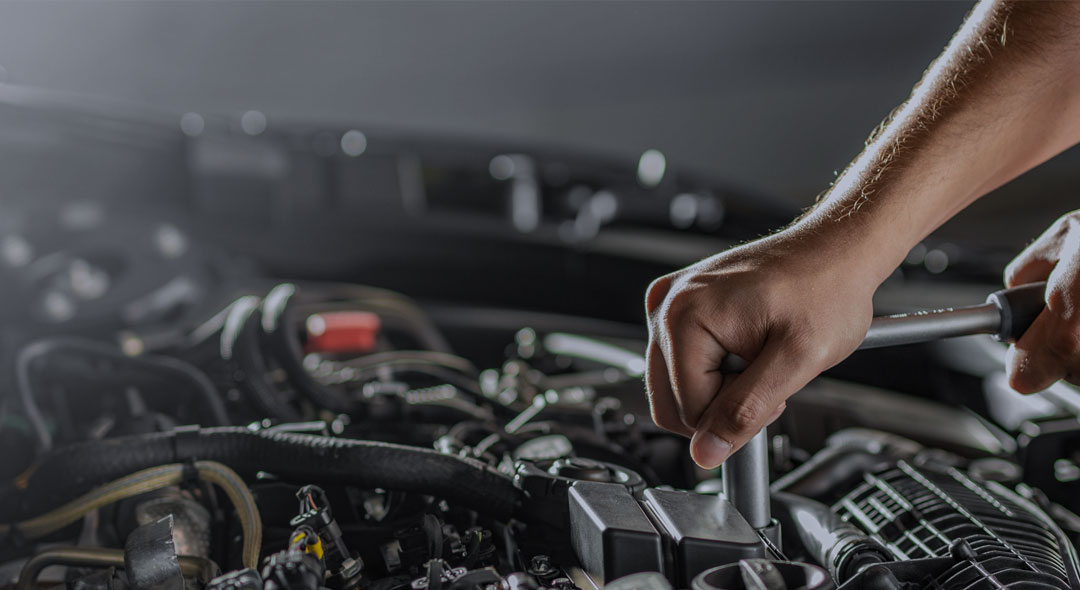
341 332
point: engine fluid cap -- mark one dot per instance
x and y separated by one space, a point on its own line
545 448
761 574
583 469
341 332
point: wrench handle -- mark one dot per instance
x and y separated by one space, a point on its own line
1006 315
1019 307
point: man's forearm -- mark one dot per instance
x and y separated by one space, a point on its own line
1002 98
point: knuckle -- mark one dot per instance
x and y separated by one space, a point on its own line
676 310
666 421
688 416
1057 300
1062 224
745 415
1063 301
656 293
812 350
681 299
1013 268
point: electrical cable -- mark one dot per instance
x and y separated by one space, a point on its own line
148 480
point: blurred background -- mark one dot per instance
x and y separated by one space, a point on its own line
242 118
776 96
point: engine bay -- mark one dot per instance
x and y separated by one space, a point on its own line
327 435
176 418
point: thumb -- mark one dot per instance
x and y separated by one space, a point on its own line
747 402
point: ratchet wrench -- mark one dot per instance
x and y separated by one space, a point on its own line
1006 315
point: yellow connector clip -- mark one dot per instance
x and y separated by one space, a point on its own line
312 545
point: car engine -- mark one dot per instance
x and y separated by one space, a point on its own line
328 436
176 418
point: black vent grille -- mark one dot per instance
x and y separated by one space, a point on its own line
918 513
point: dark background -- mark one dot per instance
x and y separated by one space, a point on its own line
775 97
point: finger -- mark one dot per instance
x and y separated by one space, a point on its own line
656 293
750 399
665 412
695 356
1037 260
1031 365
1029 269
690 352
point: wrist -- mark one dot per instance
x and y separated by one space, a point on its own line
855 243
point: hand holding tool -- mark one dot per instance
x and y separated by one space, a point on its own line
1006 315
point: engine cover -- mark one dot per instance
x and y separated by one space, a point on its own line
997 539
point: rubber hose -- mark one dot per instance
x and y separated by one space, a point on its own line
96 557
279 329
827 469
147 480
847 455
837 545
67 472
248 356
382 302
177 369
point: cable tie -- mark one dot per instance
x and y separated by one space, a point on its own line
189 475
186 442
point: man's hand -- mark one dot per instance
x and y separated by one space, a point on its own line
772 302
1050 349
994 104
